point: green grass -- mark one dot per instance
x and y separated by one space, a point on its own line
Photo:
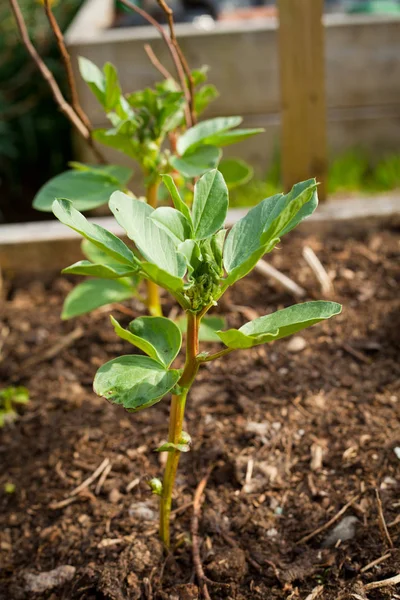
349 173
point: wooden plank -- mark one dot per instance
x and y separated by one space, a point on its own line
46 246
303 98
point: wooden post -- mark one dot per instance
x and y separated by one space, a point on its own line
303 101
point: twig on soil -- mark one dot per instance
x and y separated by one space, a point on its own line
147 588
194 528
382 522
249 474
52 352
308 537
375 562
359 355
156 63
90 479
268 270
103 478
315 593
63 503
318 269
132 484
394 522
383 583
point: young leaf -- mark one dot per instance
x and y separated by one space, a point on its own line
93 293
197 161
113 91
259 230
100 237
205 129
119 141
153 243
134 381
173 222
210 204
110 271
158 337
93 77
87 188
176 199
226 138
279 324
235 172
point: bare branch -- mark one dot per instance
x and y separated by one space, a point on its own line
173 51
170 18
67 64
82 128
156 63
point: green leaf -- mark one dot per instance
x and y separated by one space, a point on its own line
87 189
113 91
195 162
210 204
235 172
110 271
119 141
204 96
171 447
93 77
173 222
192 253
259 230
198 133
176 198
115 173
226 138
153 243
100 237
279 324
93 293
158 337
134 381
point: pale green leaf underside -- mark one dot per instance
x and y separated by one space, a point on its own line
279 324
104 271
135 382
173 222
93 293
210 204
153 243
176 198
158 337
205 129
100 237
259 230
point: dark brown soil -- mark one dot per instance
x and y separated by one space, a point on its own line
312 429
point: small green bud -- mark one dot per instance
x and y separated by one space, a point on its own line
9 487
185 438
155 486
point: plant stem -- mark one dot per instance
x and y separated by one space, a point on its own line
177 414
153 292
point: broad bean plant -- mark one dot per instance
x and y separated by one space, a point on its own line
187 251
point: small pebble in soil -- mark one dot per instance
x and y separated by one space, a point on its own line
141 510
344 531
114 496
37 584
296 344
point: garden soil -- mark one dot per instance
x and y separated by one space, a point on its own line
295 432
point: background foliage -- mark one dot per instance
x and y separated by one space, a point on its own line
34 135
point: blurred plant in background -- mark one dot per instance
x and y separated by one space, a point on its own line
34 135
